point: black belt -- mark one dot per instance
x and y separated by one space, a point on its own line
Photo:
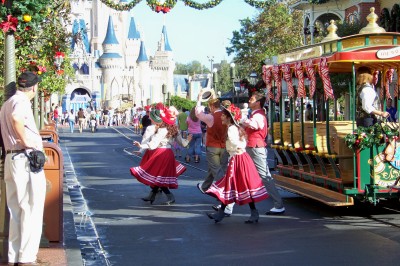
15 151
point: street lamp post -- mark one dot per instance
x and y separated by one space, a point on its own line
211 59
253 78
215 79
233 76
164 91
10 87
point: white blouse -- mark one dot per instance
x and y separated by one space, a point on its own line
153 139
235 145
156 140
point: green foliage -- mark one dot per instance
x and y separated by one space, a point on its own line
180 103
224 79
194 67
347 29
366 137
39 39
274 31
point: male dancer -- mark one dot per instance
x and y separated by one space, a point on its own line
216 154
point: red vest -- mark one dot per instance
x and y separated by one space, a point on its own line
256 137
216 135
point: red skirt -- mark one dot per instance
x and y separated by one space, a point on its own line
158 168
241 184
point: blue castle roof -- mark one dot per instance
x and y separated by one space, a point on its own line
167 47
142 54
110 36
133 32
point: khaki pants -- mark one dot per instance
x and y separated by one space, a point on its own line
81 121
26 193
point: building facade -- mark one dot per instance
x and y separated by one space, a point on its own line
112 68
319 15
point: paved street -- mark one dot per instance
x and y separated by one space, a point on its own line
115 227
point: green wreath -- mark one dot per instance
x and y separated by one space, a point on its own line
367 137
167 5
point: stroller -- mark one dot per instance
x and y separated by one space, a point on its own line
93 123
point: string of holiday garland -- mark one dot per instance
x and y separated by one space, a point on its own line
121 7
210 4
167 5
258 4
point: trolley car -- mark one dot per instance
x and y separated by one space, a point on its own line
316 158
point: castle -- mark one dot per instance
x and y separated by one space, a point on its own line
112 68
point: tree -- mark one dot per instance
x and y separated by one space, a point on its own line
181 103
194 67
273 32
224 83
40 34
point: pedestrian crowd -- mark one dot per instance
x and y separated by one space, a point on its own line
89 117
236 154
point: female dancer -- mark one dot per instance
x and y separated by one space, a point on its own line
241 183
158 168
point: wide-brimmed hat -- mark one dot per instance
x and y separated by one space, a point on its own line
235 113
155 115
207 94
28 79
168 115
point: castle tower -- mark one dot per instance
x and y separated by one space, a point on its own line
131 55
144 73
163 66
111 63
132 45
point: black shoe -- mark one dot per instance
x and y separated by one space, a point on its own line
199 187
217 207
151 197
217 217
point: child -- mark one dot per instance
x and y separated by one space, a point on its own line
93 123
241 183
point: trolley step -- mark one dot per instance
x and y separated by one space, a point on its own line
321 194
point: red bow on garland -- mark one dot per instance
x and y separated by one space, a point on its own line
10 24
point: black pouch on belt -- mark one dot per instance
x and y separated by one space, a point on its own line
36 160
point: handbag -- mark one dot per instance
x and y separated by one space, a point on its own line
37 160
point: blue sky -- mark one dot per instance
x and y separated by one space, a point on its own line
193 34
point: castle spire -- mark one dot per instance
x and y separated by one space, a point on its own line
142 54
167 47
110 46
133 32
110 35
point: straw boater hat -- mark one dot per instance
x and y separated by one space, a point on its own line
207 94
234 111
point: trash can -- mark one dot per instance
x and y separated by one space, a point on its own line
53 207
